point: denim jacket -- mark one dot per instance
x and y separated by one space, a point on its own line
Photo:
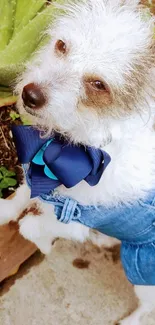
133 224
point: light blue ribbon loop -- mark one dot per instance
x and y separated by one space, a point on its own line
38 160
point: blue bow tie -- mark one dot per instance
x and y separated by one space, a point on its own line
54 161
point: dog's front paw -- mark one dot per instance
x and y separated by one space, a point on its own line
102 240
7 211
31 229
44 244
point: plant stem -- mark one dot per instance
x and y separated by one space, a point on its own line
3 136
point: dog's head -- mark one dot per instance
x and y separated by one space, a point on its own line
96 71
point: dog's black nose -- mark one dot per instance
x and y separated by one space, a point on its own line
33 96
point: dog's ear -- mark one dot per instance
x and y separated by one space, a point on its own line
129 3
116 3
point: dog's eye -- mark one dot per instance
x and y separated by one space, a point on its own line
98 85
61 47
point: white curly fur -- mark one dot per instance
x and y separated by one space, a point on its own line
113 40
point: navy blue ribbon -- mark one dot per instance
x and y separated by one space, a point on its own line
63 162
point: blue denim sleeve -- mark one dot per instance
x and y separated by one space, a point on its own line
134 225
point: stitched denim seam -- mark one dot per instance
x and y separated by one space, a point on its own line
55 201
150 206
144 232
26 176
140 244
153 202
152 244
136 265
68 213
62 199
65 216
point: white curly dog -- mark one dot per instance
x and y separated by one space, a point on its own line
95 83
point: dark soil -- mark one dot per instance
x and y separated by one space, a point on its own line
8 156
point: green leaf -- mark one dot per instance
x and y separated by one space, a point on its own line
3 170
4 183
6 173
10 173
14 115
11 181
7 99
7 182
5 94
7 9
1 176
24 43
26 40
4 89
25 11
